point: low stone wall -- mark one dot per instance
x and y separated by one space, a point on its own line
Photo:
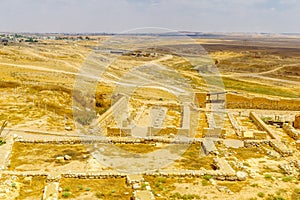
95 175
291 131
261 125
209 147
223 165
122 140
223 173
281 148
237 128
256 143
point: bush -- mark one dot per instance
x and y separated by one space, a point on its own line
2 142
278 197
176 195
14 185
185 196
261 194
268 176
190 196
207 176
287 178
87 189
254 185
143 186
162 180
66 194
67 189
204 182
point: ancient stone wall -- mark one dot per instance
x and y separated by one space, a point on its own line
261 125
116 140
116 109
237 128
209 147
281 148
291 131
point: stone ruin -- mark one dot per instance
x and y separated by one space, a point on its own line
297 121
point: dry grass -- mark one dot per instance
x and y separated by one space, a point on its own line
103 188
246 153
192 159
41 155
235 186
138 148
33 191
165 186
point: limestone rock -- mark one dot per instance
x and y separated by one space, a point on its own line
67 157
241 176
60 159
136 186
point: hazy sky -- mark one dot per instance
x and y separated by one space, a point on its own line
121 15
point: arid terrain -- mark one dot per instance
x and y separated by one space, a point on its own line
225 124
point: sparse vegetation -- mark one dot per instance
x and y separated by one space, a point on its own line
207 176
2 142
185 196
204 182
66 194
287 178
261 194
268 176
99 188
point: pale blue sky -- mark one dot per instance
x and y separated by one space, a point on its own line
121 15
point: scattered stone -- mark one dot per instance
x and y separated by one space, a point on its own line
60 159
136 186
221 188
67 157
241 176
68 128
213 182
148 187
